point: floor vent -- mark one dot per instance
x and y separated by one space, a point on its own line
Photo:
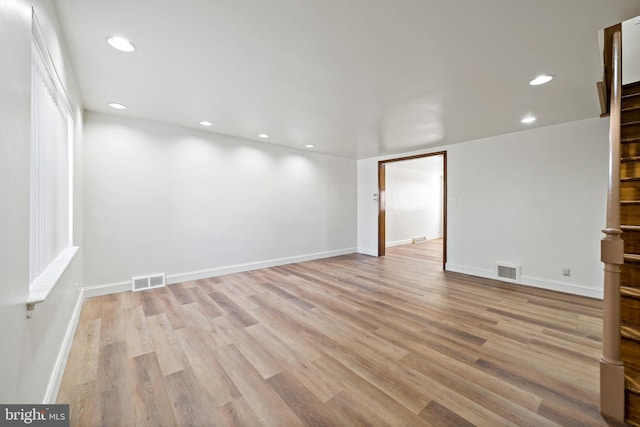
147 282
419 239
508 272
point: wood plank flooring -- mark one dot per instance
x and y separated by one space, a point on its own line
346 341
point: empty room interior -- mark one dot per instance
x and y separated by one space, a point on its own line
418 212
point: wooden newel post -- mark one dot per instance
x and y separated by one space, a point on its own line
612 255
611 367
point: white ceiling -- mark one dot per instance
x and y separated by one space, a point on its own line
356 78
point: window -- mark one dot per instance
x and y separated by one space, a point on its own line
50 203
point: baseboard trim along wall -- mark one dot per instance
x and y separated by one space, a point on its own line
409 241
112 288
368 251
568 288
63 355
398 243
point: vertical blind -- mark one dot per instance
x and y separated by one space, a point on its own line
49 168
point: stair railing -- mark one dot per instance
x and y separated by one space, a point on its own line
612 255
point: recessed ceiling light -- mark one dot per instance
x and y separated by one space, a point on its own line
540 80
206 123
117 106
309 146
528 119
263 136
121 44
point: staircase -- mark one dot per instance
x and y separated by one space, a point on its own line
630 226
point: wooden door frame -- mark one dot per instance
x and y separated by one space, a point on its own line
381 201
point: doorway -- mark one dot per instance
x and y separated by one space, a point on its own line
382 212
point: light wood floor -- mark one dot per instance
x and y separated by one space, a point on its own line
352 340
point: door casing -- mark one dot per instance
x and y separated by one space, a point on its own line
381 201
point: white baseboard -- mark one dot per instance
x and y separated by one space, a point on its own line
239 268
409 241
552 285
472 271
112 288
567 288
398 243
106 289
368 251
61 361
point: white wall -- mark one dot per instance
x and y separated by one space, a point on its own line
631 50
33 350
413 203
535 198
189 203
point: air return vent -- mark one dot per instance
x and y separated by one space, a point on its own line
508 272
419 239
147 282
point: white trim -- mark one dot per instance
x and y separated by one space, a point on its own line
51 163
63 355
409 241
552 285
472 271
398 243
106 289
368 251
239 268
112 288
42 286
568 288
37 36
435 236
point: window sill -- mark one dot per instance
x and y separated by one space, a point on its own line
42 286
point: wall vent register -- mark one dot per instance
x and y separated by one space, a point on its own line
142 283
508 272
